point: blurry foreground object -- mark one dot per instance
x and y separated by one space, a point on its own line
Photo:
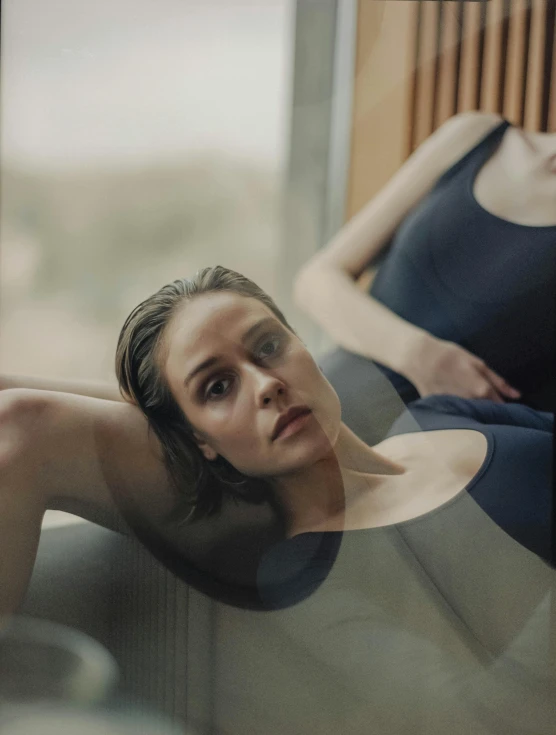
40 660
45 720
55 680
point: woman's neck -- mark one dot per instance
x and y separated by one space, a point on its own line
356 457
531 156
319 495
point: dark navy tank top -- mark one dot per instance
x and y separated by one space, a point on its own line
478 280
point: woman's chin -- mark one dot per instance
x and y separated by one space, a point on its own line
295 453
307 452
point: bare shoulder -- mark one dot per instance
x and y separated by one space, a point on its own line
441 150
462 132
473 119
462 451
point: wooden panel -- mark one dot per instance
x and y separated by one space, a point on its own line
549 80
470 52
536 58
460 25
445 57
439 25
492 72
381 102
526 55
552 102
481 54
446 103
424 113
415 33
515 76
504 38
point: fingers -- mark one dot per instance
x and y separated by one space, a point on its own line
485 390
494 396
501 386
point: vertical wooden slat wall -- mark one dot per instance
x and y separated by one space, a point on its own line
491 55
549 79
536 58
425 76
447 81
516 71
471 57
552 97
420 61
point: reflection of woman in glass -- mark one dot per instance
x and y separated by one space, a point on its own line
417 564
463 299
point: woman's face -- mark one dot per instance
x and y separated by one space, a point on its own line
249 387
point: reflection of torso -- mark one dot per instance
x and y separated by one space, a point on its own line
438 465
469 276
442 621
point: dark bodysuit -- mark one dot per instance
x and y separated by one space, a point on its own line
467 276
443 623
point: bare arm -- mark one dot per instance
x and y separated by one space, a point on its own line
352 318
93 389
60 448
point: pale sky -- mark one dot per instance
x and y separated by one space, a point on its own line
89 82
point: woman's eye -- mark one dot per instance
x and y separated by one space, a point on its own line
218 389
269 347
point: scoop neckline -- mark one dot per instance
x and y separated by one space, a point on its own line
473 178
487 433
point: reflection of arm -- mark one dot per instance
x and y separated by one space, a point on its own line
326 289
93 389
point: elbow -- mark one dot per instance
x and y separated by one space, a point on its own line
302 287
317 280
19 412
307 285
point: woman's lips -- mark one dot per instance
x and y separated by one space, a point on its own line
293 426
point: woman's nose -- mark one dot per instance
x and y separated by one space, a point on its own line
269 388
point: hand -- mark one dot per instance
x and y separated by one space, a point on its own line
438 366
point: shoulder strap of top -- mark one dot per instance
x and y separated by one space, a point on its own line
479 151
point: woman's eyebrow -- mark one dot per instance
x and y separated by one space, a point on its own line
209 362
267 321
199 369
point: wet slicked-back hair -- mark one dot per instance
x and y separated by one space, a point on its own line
201 484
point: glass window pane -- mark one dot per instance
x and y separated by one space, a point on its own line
140 142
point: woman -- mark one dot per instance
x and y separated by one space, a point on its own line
240 409
462 300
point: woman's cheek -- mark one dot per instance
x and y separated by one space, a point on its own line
230 431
